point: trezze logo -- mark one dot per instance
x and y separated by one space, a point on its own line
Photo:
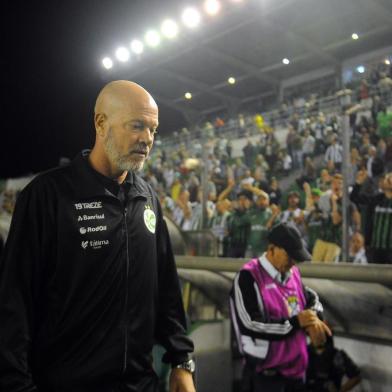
92 205
84 244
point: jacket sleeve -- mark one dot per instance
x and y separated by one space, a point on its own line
249 312
313 301
21 278
357 197
171 322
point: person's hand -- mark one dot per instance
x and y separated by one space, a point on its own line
361 177
307 317
307 188
318 332
181 381
230 182
275 209
334 197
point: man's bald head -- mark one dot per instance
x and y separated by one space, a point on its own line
119 93
126 120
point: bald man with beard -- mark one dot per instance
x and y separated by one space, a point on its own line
88 280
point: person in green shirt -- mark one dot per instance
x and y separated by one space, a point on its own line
314 218
262 217
384 121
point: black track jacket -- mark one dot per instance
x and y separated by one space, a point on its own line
87 285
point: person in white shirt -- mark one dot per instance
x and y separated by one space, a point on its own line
357 249
309 143
334 153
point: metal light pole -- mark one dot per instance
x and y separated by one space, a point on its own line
345 103
204 181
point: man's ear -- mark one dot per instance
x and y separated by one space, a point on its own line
100 121
271 248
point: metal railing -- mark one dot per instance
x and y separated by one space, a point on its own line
371 273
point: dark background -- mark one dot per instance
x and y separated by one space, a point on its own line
51 73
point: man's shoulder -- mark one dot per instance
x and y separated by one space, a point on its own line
145 186
48 178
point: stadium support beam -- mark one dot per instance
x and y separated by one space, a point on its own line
192 116
229 101
245 67
312 47
175 54
375 7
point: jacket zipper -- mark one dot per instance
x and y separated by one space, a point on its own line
126 293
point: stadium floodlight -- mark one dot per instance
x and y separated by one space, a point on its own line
354 36
122 54
152 38
360 69
107 62
191 17
169 28
387 62
188 95
231 80
212 7
137 46
286 61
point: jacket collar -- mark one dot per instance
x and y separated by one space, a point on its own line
90 183
272 271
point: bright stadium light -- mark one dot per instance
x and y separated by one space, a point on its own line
191 17
354 36
188 95
137 46
286 61
107 62
231 80
212 7
360 69
169 28
152 38
122 54
387 62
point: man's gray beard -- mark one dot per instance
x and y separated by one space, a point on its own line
121 162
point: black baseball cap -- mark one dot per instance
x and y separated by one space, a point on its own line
287 236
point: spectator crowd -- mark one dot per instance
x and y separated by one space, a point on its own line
242 187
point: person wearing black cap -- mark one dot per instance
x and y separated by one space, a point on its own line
272 312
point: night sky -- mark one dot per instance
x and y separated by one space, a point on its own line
51 74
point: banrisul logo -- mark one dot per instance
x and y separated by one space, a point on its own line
150 219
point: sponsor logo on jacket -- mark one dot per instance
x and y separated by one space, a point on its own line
87 206
84 230
82 218
94 244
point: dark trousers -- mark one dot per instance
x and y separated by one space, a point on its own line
381 256
258 382
148 383
236 251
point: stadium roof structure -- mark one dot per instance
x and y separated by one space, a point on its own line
248 41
